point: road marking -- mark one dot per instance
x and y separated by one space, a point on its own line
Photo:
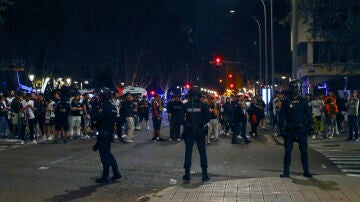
346 162
351 170
353 175
62 159
345 159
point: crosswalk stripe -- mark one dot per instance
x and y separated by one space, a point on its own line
345 159
348 166
351 170
346 162
353 175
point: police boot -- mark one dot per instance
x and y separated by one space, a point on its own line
116 176
186 177
102 180
205 176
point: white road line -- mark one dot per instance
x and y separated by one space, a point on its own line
345 159
346 162
62 159
348 166
353 175
351 170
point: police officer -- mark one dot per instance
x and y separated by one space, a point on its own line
196 116
295 122
175 111
105 120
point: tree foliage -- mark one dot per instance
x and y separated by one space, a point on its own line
4 5
335 21
135 42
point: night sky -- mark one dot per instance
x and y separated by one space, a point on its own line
85 38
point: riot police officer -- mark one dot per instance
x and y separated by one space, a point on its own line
295 123
196 116
105 120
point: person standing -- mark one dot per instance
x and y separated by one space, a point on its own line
254 114
239 122
176 115
144 110
196 116
77 111
86 114
352 110
105 120
157 109
214 124
295 121
3 122
62 114
129 117
28 110
317 106
40 107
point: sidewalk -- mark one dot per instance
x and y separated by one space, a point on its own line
319 188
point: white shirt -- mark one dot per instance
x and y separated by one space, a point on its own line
317 106
29 110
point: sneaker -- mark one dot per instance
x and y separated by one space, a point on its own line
33 142
124 136
313 137
44 138
129 141
208 142
248 136
22 142
330 137
50 138
170 139
239 137
357 140
148 128
154 139
138 128
178 139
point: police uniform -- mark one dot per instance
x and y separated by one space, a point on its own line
295 122
175 109
196 116
105 119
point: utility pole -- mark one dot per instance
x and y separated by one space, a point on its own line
272 48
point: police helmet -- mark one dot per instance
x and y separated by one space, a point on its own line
295 87
104 94
195 92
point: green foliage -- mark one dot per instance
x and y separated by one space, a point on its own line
4 4
336 21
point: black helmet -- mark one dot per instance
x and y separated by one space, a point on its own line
295 87
104 94
195 92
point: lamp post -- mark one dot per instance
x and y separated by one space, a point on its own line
68 81
266 55
260 42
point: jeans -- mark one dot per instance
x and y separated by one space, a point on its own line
353 126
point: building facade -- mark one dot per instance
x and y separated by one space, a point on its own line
314 60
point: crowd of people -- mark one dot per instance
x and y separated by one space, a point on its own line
329 114
36 117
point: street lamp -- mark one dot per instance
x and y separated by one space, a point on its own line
260 40
68 81
31 77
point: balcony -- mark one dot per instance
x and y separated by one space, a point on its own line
314 70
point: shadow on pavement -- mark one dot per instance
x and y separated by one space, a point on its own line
324 185
76 194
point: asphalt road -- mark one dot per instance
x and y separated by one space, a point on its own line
47 172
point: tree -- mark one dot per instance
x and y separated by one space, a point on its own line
4 5
337 22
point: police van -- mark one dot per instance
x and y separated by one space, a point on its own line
134 91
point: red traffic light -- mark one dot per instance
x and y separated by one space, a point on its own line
187 86
218 61
152 93
231 85
230 76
